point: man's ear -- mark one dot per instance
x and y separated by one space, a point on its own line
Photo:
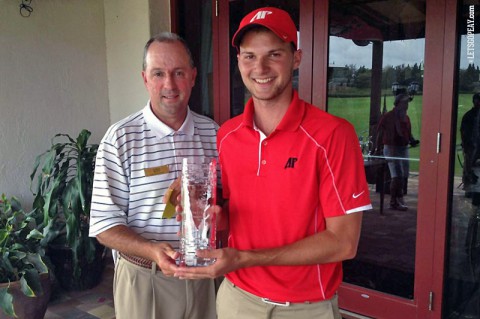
297 58
194 76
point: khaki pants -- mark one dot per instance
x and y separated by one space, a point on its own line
235 303
141 293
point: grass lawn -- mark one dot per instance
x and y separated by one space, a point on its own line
357 111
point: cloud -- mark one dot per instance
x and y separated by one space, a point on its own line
345 52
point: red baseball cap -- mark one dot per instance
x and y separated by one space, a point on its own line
276 20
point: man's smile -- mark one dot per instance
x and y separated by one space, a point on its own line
263 81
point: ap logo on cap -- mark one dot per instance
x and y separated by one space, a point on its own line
260 15
277 20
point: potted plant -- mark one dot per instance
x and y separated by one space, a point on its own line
62 181
25 284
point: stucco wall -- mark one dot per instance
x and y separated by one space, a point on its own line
71 65
160 19
127 30
128 25
53 79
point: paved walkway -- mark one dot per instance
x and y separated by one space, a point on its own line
96 303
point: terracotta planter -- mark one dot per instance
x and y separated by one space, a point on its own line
26 307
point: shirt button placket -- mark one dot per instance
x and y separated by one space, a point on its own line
264 161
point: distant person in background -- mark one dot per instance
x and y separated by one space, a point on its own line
470 134
395 135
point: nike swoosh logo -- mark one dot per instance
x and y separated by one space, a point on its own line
357 195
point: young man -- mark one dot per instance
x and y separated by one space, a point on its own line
137 161
294 179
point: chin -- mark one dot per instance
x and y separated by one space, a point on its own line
265 96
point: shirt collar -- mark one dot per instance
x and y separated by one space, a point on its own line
290 121
162 130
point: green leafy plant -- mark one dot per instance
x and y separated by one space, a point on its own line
21 252
62 181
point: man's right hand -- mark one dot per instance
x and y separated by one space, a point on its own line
125 240
166 258
378 151
171 198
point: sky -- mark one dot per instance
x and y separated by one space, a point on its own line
345 52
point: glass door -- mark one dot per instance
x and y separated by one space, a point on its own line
375 81
376 57
357 57
462 297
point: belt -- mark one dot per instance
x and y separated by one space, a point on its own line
138 261
270 301
277 303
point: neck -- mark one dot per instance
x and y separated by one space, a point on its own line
268 114
173 120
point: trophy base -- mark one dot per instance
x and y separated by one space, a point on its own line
188 260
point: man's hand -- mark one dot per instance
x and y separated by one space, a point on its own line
414 142
378 151
172 198
125 240
172 192
227 260
165 257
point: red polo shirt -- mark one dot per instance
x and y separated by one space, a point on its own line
395 131
281 189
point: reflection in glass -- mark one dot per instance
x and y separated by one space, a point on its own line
462 296
376 52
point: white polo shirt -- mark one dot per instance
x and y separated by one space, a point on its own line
137 160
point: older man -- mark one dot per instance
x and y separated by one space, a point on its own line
138 159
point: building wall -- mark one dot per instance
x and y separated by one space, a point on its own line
128 25
70 65
53 79
159 18
126 31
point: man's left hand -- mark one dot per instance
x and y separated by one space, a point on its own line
414 143
226 260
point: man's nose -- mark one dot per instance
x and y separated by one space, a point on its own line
262 64
169 81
